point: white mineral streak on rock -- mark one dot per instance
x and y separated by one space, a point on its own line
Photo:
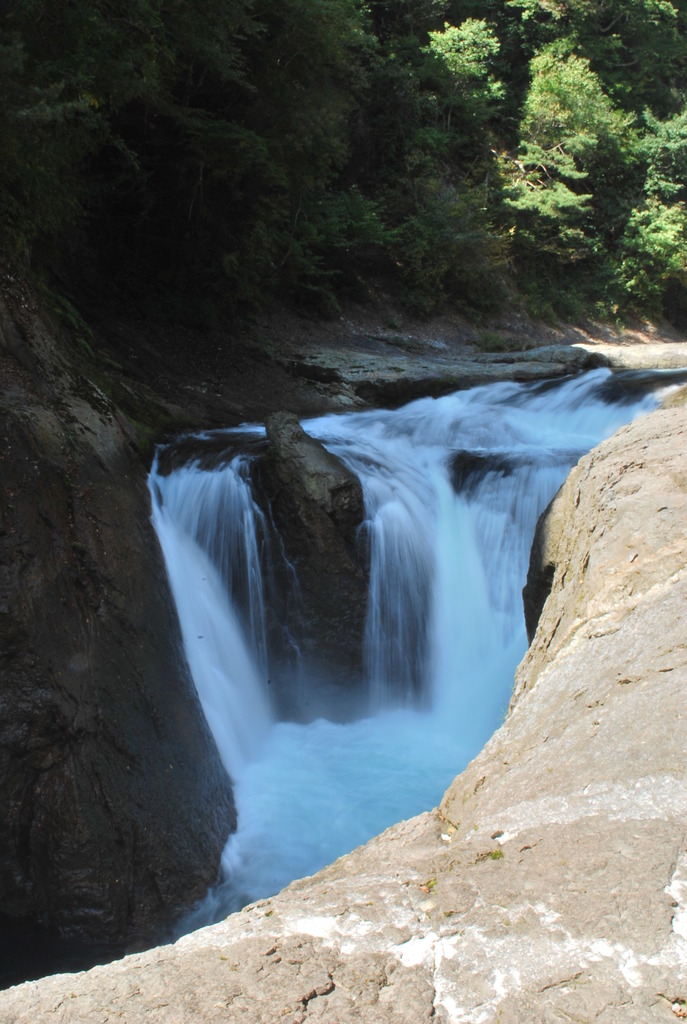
643 800
318 927
418 950
561 893
678 890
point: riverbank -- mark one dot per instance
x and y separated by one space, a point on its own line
371 354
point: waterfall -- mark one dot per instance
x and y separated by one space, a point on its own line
208 527
452 487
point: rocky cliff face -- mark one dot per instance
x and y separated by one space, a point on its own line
551 884
114 806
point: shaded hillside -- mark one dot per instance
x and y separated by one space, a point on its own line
203 158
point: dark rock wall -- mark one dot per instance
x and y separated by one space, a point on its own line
541 569
114 806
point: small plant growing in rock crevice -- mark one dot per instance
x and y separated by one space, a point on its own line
489 855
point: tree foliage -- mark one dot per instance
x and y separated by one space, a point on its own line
466 53
242 151
572 135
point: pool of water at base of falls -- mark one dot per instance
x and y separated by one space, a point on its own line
453 488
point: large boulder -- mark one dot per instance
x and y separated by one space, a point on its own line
114 806
316 503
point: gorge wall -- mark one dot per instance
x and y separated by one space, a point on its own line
551 884
114 806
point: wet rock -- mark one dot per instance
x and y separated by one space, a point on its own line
543 555
114 806
468 469
316 504
314 475
397 372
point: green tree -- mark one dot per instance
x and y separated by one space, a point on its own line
203 131
654 253
450 251
653 261
573 176
237 151
635 46
466 52
397 19
665 148
44 134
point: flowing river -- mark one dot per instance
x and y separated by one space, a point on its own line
452 488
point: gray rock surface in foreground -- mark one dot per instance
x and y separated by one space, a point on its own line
551 885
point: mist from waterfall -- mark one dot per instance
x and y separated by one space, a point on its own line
453 487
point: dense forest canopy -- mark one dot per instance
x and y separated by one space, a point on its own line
468 151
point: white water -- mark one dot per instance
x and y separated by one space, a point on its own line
205 565
445 623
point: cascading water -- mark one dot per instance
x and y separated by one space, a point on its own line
214 574
452 487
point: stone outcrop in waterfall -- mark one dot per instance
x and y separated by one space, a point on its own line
317 506
114 806
552 882
315 478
